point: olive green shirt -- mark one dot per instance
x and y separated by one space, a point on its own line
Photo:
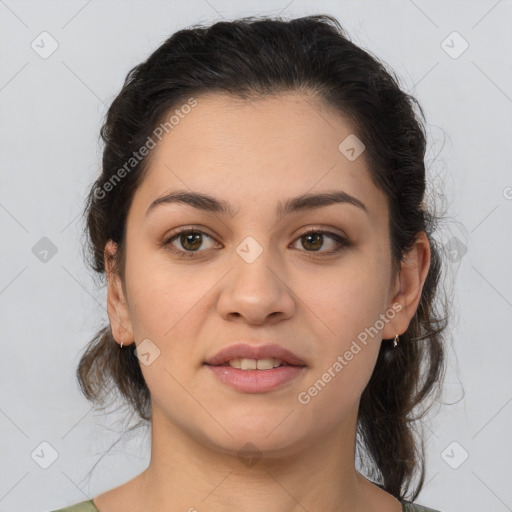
88 506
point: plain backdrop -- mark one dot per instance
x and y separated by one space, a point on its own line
62 63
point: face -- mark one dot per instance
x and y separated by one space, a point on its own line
254 275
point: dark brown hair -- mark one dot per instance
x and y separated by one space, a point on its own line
250 58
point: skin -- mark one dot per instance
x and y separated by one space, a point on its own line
255 154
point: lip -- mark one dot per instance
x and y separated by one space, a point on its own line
256 381
247 351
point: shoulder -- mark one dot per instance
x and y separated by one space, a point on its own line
412 507
84 506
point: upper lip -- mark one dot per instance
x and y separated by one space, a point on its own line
246 351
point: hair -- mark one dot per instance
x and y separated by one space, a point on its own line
253 58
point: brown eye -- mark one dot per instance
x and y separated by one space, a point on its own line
190 240
314 240
187 242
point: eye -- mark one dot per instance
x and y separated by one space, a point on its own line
189 239
314 239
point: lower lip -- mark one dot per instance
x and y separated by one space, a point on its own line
256 381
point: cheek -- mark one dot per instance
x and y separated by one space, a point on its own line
333 393
167 307
348 301
162 295
347 323
347 346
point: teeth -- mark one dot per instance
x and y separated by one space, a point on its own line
253 364
265 364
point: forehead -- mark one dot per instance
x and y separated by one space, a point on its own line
258 151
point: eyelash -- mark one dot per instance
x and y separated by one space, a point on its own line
341 241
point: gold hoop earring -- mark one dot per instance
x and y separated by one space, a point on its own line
395 341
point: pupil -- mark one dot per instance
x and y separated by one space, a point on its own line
318 239
190 237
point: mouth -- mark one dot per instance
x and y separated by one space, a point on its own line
264 364
244 356
263 375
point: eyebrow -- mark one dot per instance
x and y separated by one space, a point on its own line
303 202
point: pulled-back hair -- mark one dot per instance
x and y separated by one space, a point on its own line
252 58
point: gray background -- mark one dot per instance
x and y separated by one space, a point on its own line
51 112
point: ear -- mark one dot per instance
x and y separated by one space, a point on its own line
117 307
408 287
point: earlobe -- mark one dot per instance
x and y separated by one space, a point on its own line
117 306
410 280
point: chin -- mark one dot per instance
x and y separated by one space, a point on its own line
249 449
268 436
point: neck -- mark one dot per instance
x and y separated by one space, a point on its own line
186 474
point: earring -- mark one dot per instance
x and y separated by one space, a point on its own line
121 342
395 341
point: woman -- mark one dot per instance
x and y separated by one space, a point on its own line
271 273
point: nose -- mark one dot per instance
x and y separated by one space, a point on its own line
257 292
